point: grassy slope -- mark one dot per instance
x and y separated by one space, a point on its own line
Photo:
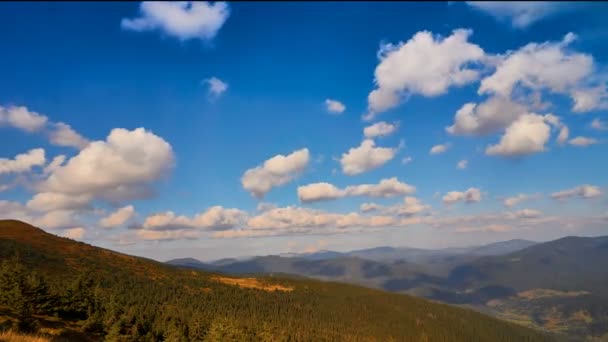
330 310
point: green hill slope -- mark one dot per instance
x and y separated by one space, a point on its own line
109 295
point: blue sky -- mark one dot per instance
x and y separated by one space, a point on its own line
73 73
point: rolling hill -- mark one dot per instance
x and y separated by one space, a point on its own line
558 285
66 288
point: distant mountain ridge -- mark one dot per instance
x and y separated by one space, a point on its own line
120 297
562 281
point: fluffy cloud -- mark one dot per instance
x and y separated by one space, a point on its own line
56 219
22 118
366 157
462 164
547 66
63 135
138 157
117 218
219 218
167 221
216 86
515 200
214 218
74 233
301 220
184 19
527 135
485 118
275 171
379 129
599 125
407 160
410 206
52 219
335 106
583 191
167 235
23 162
438 149
389 187
426 65
59 133
319 192
589 99
46 201
582 141
471 195
520 13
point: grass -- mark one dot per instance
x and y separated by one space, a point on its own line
11 336
253 283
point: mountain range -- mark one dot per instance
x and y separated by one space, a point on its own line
64 290
557 286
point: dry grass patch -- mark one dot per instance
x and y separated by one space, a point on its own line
11 336
544 293
252 283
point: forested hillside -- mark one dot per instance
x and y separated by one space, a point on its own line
56 286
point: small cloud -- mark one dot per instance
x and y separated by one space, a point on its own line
515 200
366 157
438 149
334 106
471 195
462 164
276 171
117 218
582 141
599 125
521 14
380 129
583 191
181 19
216 86
406 160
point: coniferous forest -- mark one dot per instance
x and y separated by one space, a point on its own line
71 290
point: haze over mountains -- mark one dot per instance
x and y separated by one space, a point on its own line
557 285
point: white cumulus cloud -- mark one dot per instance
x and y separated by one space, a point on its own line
583 191
118 217
22 118
276 171
137 159
438 149
335 106
526 135
389 187
22 162
471 195
426 64
366 157
380 129
216 86
181 19
582 141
